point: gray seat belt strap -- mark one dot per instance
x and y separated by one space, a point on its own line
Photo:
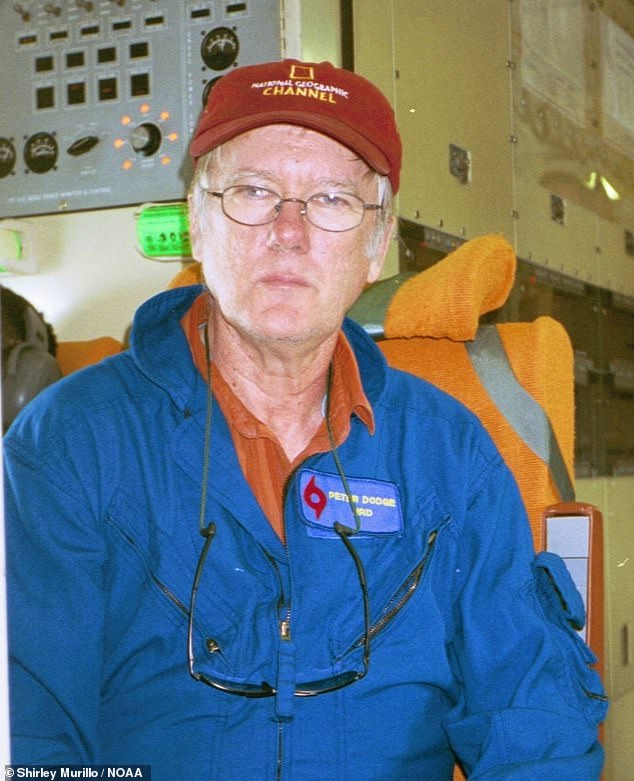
528 418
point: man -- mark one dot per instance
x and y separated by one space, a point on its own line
247 549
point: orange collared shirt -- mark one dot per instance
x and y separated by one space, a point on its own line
261 456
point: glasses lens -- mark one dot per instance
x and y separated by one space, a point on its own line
335 211
255 691
329 684
250 205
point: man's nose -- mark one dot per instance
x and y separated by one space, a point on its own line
290 227
282 201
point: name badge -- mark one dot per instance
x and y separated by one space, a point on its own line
324 501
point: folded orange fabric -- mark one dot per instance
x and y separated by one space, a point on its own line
72 356
447 299
191 274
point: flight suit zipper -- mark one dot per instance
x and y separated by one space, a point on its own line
403 594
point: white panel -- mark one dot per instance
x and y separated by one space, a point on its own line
569 537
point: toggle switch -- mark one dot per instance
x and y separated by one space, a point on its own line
82 145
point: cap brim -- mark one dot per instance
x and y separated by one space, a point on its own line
214 136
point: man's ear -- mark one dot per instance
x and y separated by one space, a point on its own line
376 263
194 227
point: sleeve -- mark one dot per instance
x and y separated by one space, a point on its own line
531 703
55 559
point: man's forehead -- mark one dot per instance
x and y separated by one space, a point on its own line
264 148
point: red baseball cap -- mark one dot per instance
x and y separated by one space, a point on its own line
337 102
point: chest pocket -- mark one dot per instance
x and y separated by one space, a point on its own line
394 547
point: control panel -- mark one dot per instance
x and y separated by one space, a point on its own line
100 97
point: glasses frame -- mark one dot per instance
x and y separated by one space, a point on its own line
277 208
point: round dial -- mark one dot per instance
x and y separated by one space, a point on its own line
40 152
208 87
7 157
219 48
146 139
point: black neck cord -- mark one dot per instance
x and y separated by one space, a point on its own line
206 529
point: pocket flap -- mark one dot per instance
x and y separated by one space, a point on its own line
557 591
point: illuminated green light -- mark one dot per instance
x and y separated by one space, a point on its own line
11 248
163 231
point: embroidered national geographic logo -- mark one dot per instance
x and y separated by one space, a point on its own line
301 83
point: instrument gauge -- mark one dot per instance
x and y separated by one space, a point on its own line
7 157
40 152
220 48
208 87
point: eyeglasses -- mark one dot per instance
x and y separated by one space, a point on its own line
332 211
264 689
208 531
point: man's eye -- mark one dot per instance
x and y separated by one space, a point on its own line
333 201
255 193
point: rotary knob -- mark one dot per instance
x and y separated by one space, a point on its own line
146 139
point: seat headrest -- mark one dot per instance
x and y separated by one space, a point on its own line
447 299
